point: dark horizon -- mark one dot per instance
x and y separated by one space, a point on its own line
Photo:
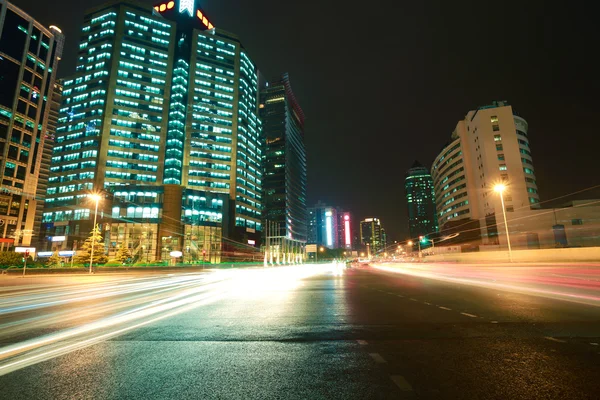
384 86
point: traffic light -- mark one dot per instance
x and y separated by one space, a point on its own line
423 239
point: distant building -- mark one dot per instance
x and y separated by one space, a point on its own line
284 182
29 56
420 198
330 227
372 235
344 231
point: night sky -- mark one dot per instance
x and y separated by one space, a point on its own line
385 83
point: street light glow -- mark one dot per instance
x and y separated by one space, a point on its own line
499 188
95 196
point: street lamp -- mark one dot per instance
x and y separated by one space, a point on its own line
500 188
95 197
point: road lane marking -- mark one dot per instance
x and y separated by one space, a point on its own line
399 295
411 299
427 303
594 344
554 339
401 383
445 308
377 357
362 342
494 322
469 315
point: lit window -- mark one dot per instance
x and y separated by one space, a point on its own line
502 167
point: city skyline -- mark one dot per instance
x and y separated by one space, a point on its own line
334 120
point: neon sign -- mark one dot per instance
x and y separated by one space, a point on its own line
186 5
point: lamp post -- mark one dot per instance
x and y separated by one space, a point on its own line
96 197
420 238
500 188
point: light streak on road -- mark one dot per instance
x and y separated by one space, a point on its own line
579 284
95 312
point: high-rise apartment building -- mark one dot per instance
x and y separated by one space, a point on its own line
29 56
284 182
490 146
420 198
164 102
372 235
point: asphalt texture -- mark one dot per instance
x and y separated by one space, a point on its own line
331 333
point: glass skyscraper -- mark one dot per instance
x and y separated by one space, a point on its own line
161 103
285 160
420 197
29 56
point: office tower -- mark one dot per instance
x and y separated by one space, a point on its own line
284 183
42 188
163 108
29 55
490 146
371 235
420 198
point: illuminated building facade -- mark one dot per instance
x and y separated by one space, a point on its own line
162 99
344 231
29 56
330 227
490 146
284 159
55 104
372 235
420 198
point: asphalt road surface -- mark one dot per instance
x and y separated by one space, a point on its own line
318 332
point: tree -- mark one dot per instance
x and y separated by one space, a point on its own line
10 259
123 255
85 252
55 261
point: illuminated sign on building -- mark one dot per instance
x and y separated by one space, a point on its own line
176 254
25 250
59 238
347 236
329 227
186 5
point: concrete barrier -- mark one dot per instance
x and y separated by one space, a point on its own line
581 254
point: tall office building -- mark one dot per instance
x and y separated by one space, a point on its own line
420 198
55 104
372 235
490 146
284 160
29 55
163 107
